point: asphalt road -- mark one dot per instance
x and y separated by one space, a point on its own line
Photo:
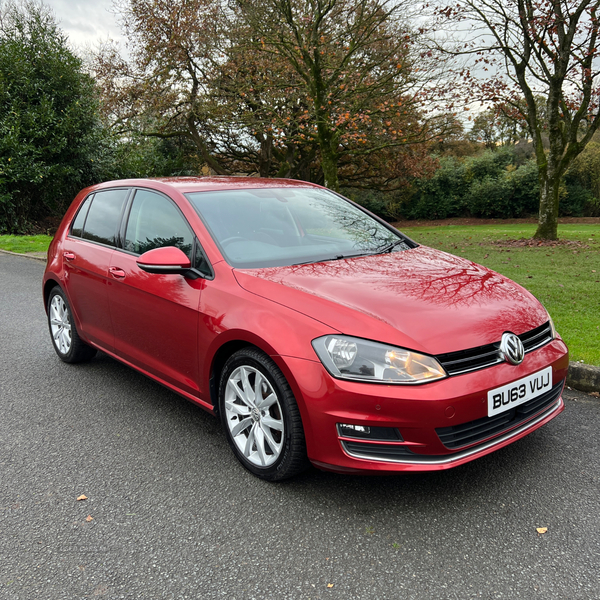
170 513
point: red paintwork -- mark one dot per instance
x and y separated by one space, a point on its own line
421 299
164 257
171 328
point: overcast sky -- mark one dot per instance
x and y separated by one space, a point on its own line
86 22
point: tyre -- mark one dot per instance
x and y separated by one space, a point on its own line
260 416
65 339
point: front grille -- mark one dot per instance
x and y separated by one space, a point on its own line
534 339
472 432
464 361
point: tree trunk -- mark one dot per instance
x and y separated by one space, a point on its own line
330 168
548 218
265 156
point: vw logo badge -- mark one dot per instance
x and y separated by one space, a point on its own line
512 349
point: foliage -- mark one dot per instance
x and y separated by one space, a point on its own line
564 276
493 184
50 138
583 184
140 156
502 124
524 49
385 204
352 65
323 91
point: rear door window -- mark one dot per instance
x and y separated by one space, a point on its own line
104 216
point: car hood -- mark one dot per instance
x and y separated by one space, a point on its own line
422 298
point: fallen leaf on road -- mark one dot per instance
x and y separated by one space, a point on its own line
89 518
330 585
82 497
541 529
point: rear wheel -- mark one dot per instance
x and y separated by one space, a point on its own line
260 416
65 339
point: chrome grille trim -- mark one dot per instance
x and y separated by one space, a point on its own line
482 357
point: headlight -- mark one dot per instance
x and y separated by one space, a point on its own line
353 358
552 328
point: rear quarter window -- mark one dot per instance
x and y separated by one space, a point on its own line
104 216
79 221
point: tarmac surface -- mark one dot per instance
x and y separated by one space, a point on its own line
171 514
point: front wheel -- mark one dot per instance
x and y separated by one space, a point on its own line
260 416
65 339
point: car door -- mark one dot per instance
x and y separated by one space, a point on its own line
87 252
155 317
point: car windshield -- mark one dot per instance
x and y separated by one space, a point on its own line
270 227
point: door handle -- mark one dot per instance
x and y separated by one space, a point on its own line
116 272
69 255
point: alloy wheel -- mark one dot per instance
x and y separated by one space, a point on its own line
60 324
254 416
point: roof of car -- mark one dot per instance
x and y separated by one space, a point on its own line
202 184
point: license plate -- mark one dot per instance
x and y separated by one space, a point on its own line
520 391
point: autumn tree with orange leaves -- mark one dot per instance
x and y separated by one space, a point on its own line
323 91
162 88
353 65
522 49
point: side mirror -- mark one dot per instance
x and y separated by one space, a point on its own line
164 261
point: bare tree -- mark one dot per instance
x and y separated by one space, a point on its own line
525 48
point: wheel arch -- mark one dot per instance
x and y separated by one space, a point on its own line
231 346
218 362
49 285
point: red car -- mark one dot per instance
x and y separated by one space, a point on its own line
314 330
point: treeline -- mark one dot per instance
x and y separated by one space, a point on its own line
501 184
339 93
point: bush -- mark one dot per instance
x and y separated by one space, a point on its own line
582 198
440 196
513 193
493 184
383 204
498 184
51 141
140 156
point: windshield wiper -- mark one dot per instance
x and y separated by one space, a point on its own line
336 257
389 247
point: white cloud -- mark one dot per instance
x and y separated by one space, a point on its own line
86 22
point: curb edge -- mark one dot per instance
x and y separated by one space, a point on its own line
24 255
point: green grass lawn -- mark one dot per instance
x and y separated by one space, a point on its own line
565 278
25 243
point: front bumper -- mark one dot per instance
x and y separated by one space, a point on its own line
426 417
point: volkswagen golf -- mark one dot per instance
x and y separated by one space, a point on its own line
315 331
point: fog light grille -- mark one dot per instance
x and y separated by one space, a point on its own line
366 432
